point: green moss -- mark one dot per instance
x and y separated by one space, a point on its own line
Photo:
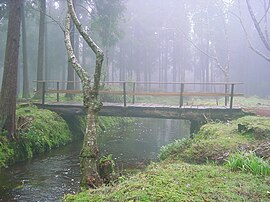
46 130
177 181
173 148
38 131
6 151
257 127
215 141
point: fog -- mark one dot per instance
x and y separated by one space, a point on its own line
157 40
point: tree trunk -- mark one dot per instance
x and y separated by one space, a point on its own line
41 40
70 75
89 154
9 83
25 93
107 69
46 66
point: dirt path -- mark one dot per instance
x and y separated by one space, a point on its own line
260 111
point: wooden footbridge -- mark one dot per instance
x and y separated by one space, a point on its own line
150 99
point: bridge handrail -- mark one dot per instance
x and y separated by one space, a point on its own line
143 82
133 93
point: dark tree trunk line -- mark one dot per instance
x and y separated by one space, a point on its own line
41 47
25 93
9 83
89 153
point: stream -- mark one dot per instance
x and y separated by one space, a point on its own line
49 177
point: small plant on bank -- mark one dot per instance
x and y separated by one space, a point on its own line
106 168
248 162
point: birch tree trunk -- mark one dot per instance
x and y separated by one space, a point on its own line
89 153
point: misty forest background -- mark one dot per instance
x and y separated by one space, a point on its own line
153 40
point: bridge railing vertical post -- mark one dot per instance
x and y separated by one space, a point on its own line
133 91
125 94
226 97
43 92
181 95
232 92
58 88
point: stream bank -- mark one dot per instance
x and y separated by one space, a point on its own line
223 162
38 132
47 177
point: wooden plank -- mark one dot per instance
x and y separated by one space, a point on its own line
199 94
142 82
64 91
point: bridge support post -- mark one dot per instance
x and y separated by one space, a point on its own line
181 96
125 94
226 97
57 94
43 93
133 90
232 92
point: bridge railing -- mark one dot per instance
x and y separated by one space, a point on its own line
134 90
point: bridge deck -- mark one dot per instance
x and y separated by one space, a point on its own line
129 91
153 111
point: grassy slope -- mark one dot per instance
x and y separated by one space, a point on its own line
38 131
176 180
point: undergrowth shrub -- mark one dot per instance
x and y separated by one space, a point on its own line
6 151
248 162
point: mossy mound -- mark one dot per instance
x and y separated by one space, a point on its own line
178 181
257 127
38 131
216 141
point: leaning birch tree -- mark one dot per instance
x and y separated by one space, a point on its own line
89 153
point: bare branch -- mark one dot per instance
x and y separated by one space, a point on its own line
85 9
52 18
257 26
260 53
224 70
248 40
265 12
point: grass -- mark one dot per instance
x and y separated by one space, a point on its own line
248 162
212 143
255 126
216 141
178 181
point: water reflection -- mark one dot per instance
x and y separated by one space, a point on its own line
49 177
140 142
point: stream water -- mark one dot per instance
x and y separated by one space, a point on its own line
49 177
